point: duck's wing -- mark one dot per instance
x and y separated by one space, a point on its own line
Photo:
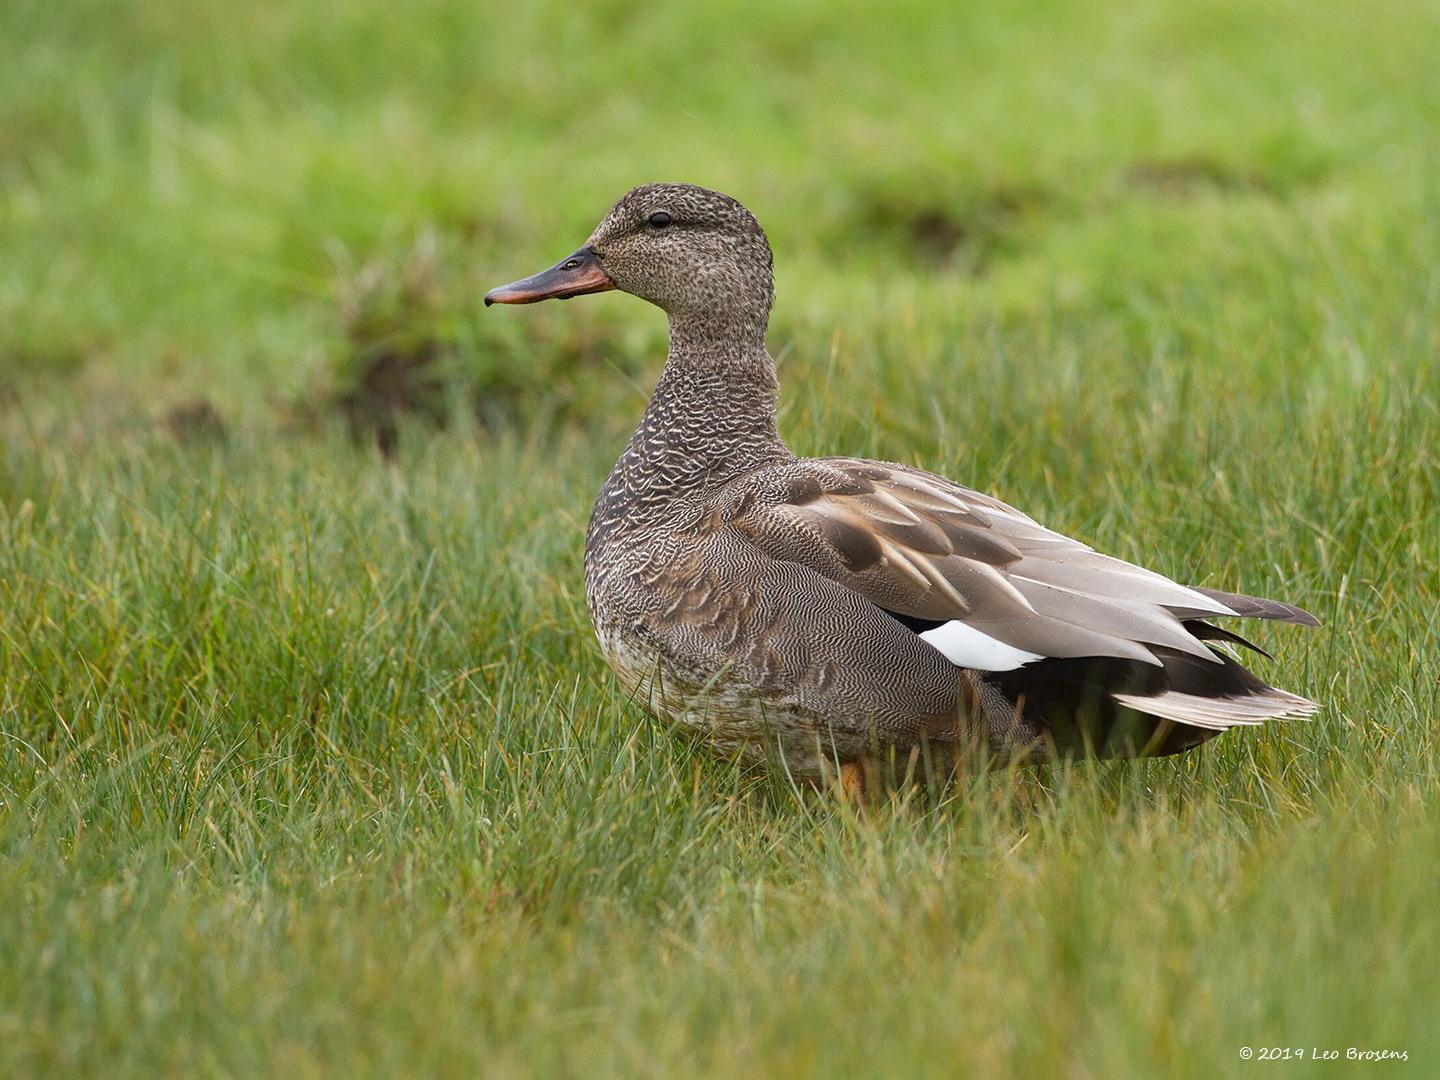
980 581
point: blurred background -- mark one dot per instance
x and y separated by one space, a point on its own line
288 209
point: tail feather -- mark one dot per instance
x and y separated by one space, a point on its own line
1109 707
1220 713
1209 632
1256 607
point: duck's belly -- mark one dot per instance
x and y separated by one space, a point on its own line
731 717
768 659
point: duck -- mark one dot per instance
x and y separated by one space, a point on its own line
833 615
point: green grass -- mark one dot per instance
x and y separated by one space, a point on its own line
308 761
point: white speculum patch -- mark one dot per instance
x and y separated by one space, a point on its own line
967 647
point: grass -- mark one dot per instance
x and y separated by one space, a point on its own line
309 763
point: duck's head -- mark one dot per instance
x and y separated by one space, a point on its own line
693 252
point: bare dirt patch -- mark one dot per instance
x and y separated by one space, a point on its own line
392 323
1187 177
195 421
967 230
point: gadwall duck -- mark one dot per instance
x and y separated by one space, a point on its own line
842 611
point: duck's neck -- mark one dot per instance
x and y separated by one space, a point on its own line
722 336
710 419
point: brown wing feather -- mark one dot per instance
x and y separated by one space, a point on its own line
923 547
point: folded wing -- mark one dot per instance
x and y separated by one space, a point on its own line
988 586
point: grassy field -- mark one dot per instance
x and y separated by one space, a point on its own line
309 764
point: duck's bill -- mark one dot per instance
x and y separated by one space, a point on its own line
575 276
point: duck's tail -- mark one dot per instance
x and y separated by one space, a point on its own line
1107 707
1200 699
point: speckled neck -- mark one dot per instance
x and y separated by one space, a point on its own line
725 336
710 419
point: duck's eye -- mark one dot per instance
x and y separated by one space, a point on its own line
659 219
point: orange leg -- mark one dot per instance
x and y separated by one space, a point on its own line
852 783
